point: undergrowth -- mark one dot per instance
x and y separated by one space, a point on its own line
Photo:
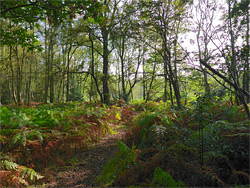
39 137
205 145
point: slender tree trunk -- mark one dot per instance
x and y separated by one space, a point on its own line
165 82
247 71
119 80
177 92
19 79
64 54
29 82
121 54
59 89
172 78
68 74
93 69
46 83
135 78
203 58
232 68
51 59
173 82
144 83
171 92
12 77
151 82
106 95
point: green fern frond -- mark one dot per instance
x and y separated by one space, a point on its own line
164 179
30 174
20 138
9 165
159 130
26 173
159 134
122 161
24 134
35 134
214 154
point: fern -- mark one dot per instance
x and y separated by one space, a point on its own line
5 116
35 134
214 155
160 132
24 134
164 179
26 173
20 138
30 174
117 166
9 165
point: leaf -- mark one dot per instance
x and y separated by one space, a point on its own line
164 179
10 165
117 115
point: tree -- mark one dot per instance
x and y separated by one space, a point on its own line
226 49
205 11
165 18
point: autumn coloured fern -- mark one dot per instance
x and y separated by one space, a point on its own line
14 175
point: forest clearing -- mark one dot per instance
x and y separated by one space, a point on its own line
124 93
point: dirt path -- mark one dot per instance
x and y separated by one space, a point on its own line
89 163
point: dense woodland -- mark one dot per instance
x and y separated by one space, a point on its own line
157 90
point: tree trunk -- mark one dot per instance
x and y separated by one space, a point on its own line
121 54
171 92
106 95
51 59
165 82
93 68
173 82
144 84
46 83
29 82
234 74
59 90
12 78
247 63
67 83
151 82
232 68
19 79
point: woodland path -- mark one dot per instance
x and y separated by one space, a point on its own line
89 163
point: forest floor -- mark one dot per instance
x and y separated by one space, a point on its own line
142 144
88 164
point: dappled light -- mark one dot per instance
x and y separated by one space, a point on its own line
124 93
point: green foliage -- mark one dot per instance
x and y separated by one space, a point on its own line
23 135
26 173
141 105
30 174
153 127
164 179
231 114
242 186
9 165
46 117
72 125
5 115
123 160
160 134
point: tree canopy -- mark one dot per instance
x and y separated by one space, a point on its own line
112 49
